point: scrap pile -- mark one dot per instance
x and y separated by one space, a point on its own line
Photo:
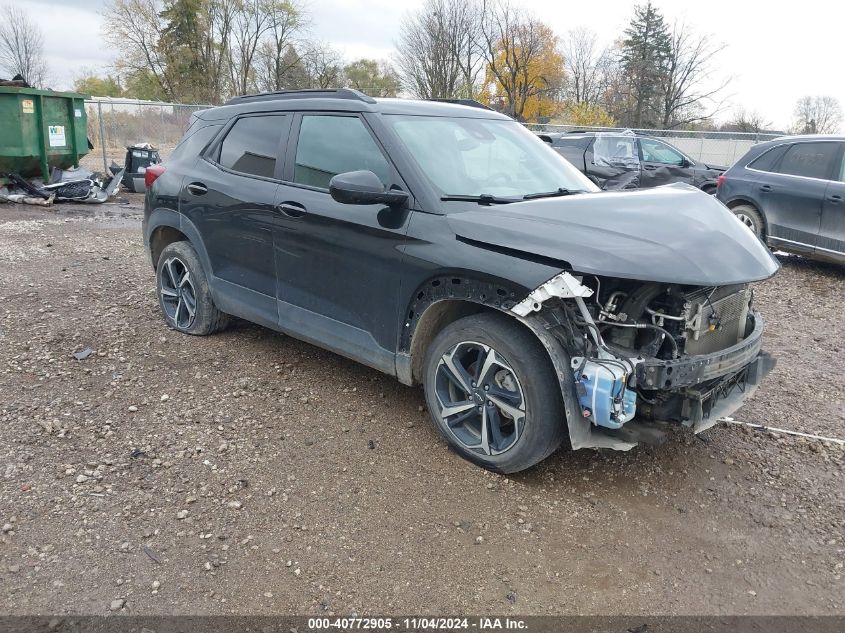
75 185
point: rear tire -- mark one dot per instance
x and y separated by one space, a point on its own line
183 293
751 218
493 394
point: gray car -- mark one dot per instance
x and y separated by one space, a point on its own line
624 160
790 192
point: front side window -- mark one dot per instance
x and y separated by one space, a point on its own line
329 145
252 145
473 156
657 152
810 160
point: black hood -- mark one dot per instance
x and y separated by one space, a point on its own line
672 234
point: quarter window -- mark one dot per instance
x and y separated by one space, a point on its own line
329 145
252 145
811 160
768 160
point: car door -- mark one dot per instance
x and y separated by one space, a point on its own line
337 265
791 198
231 197
662 164
613 162
832 231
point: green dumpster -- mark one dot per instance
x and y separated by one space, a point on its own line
39 130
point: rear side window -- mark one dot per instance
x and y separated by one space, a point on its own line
194 142
579 143
252 145
767 160
330 145
811 160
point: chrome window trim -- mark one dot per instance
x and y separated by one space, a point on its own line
777 173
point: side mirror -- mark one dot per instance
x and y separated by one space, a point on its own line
364 187
685 163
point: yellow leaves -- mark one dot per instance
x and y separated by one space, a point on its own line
583 114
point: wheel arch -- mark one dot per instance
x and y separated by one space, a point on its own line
166 226
736 202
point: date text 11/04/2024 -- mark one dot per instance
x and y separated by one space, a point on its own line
417 624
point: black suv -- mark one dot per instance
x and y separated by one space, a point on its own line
615 160
791 193
447 245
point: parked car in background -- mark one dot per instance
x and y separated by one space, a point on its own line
791 193
447 246
624 160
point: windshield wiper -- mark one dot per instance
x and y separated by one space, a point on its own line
560 191
484 198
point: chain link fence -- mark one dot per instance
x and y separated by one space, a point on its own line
113 124
716 148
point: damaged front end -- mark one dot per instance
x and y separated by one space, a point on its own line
635 355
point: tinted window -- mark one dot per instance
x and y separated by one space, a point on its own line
812 160
330 145
770 158
251 146
657 152
194 142
842 170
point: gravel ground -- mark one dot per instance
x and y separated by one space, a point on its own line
252 473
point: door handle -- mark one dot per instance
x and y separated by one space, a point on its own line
834 199
765 188
291 209
649 167
197 188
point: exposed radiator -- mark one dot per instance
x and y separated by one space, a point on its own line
716 318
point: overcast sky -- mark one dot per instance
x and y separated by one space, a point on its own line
776 51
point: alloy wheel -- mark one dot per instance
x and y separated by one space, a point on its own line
480 399
178 295
747 221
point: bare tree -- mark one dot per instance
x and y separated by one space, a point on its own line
134 27
687 88
747 121
21 46
278 64
586 66
517 49
323 65
817 115
438 52
250 21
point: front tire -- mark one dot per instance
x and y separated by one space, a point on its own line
493 394
183 293
750 217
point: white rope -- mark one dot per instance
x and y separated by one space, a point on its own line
761 427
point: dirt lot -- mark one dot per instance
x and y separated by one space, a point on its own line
232 474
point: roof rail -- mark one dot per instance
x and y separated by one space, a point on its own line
307 93
472 103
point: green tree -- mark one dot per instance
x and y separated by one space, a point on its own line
373 77
93 85
142 84
645 51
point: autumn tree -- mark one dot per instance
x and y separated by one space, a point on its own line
744 120
817 115
21 46
523 62
373 77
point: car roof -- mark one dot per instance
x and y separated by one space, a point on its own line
345 100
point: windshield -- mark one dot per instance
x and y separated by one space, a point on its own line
494 157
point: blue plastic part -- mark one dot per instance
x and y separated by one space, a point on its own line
603 395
